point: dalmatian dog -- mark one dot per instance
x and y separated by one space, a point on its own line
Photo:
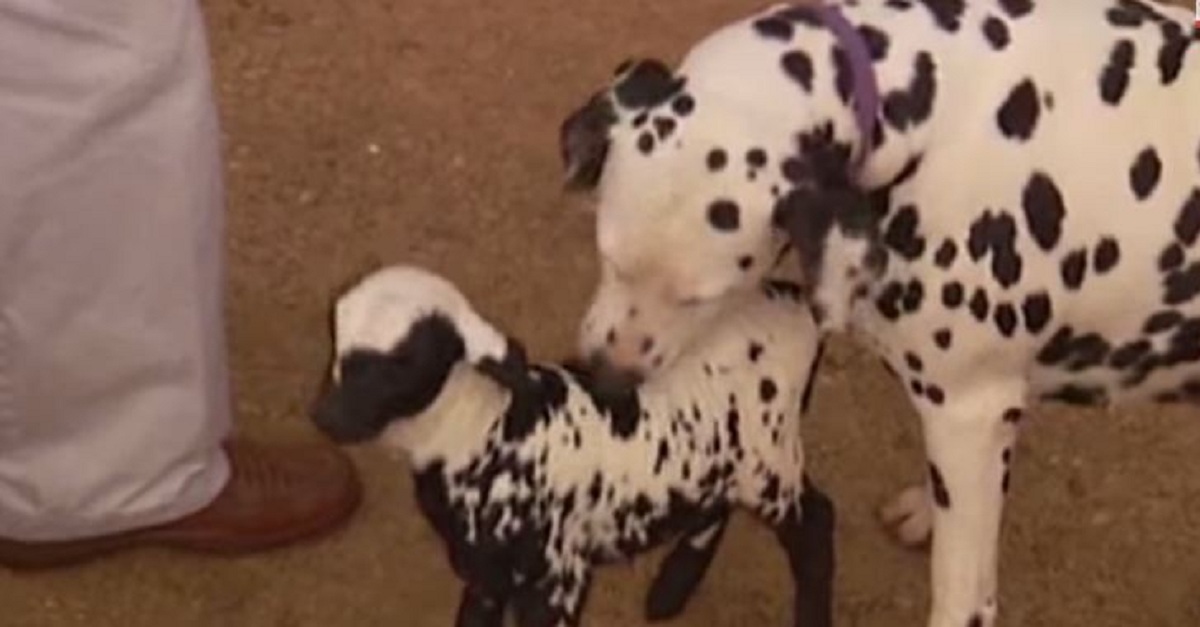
1001 198
531 474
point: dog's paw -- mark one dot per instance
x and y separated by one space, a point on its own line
908 518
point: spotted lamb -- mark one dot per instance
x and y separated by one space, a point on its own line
533 473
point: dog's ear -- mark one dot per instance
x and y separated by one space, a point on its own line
584 136
583 139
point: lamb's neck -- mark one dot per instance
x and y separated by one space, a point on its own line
455 425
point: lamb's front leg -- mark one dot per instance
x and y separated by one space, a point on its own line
556 600
969 434
806 533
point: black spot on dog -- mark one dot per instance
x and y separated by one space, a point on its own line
1073 268
1006 319
683 105
1171 55
1182 285
1036 310
664 127
1171 258
952 295
745 262
756 158
914 294
888 301
913 362
946 253
946 13
1162 321
877 41
996 32
938 485
1106 255
716 160
1086 396
979 305
943 338
1145 173
1013 415
918 388
799 66
996 235
1129 354
1018 115
902 236
1016 8
1075 352
1123 17
935 394
640 119
1114 77
912 106
647 83
774 28
1187 225
1044 210
906 173
724 215
767 390
645 143
755 352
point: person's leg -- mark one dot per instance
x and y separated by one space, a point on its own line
113 383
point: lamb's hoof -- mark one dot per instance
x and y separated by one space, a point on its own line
908 518
678 577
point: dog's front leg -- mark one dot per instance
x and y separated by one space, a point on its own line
968 437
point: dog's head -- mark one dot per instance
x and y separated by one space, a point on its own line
701 179
398 333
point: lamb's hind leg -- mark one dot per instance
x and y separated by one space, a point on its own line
558 599
476 609
685 566
806 533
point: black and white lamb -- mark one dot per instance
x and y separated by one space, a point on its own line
531 474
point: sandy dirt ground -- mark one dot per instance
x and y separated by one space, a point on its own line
362 132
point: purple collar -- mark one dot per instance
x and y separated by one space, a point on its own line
865 95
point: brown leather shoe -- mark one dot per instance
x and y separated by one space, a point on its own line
275 496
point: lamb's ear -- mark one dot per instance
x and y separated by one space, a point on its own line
583 139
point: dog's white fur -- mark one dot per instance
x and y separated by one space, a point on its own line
662 257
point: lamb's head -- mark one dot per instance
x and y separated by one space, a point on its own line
398 335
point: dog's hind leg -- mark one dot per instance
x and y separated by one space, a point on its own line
681 572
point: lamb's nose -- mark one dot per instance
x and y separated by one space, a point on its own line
611 379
